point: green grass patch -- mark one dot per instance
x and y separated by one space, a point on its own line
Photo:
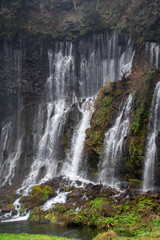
25 236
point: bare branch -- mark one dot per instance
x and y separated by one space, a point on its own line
75 6
97 6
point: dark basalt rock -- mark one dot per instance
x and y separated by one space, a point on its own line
14 212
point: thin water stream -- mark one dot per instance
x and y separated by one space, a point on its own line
114 145
151 148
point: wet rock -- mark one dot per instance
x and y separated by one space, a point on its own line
14 212
7 208
76 193
9 198
155 195
107 191
79 183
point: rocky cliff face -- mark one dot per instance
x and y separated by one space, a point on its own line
53 65
24 68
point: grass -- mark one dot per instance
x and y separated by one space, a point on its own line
25 236
111 235
149 236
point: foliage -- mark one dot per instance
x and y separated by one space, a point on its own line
22 209
133 217
60 208
52 217
53 17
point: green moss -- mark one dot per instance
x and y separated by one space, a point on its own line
95 135
37 215
70 188
39 195
52 217
144 80
8 207
105 109
136 181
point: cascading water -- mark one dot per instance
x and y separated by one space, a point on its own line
76 71
105 59
114 145
75 154
57 107
12 132
151 148
152 54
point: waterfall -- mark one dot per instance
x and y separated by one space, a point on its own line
45 162
114 145
4 139
77 71
152 54
11 148
75 155
104 59
12 132
46 153
151 148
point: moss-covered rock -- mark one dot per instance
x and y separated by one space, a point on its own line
70 188
143 82
39 195
7 208
8 198
106 108
38 216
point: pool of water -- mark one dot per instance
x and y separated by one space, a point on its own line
48 229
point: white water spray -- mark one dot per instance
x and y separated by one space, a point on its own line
75 155
114 143
151 149
152 54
